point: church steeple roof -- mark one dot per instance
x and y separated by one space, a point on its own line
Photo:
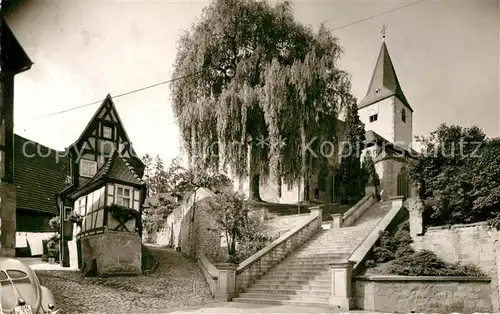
384 82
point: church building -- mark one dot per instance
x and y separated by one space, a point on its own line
388 119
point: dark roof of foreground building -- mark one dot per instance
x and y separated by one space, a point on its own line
116 169
40 173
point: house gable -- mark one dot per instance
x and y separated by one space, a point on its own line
103 134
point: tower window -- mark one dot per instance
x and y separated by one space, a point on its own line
373 115
403 115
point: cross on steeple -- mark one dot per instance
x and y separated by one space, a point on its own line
384 28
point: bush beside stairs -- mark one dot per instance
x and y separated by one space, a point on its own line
304 276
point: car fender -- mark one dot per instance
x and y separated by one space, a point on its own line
47 297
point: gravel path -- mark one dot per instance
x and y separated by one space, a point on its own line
177 283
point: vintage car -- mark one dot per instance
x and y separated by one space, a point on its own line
21 291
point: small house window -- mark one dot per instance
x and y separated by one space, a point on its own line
88 168
107 131
403 115
124 196
82 206
373 117
67 211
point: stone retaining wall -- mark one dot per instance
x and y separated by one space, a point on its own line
466 243
422 294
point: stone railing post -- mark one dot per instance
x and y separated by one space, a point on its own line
226 283
341 294
370 189
397 201
415 208
338 220
317 212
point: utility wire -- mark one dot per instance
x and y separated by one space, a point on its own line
124 94
189 75
377 15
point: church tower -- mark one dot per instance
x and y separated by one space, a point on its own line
385 109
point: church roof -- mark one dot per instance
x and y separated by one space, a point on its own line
384 82
373 138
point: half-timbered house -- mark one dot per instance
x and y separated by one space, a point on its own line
105 198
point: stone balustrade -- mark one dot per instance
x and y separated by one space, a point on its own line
210 272
396 213
349 217
258 264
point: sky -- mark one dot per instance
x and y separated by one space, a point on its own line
446 56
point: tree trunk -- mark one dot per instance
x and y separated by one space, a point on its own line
253 175
254 188
303 161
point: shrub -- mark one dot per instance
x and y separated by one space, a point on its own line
370 263
404 261
426 263
55 223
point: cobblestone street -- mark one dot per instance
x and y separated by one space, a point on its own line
176 284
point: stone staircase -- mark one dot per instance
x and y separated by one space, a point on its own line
304 276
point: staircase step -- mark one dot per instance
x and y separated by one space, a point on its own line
289 286
282 302
298 282
287 291
303 277
285 297
291 274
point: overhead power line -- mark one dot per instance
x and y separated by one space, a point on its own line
377 15
124 94
186 76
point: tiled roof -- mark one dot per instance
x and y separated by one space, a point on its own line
39 174
14 58
373 138
384 82
115 168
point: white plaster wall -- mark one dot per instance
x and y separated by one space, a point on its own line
384 126
403 130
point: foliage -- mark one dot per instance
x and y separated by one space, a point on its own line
351 173
74 217
122 213
403 260
286 87
392 246
53 244
154 215
55 223
459 176
230 212
426 263
370 173
252 239
173 182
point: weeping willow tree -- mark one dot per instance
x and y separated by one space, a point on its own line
285 93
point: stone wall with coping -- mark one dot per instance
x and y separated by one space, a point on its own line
391 294
470 243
